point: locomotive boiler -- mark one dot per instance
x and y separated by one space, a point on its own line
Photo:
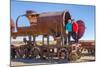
47 23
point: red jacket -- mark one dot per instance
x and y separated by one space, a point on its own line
74 27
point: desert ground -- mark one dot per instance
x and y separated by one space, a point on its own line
30 62
19 62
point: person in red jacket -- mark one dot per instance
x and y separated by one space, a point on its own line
75 30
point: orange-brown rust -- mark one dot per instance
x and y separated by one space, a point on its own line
48 23
12 25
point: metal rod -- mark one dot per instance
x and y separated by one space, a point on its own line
48 40
43 40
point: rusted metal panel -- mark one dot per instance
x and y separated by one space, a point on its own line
12 25
47 23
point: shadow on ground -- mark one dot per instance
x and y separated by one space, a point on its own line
33 62
37 61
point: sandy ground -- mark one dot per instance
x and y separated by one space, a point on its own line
30 62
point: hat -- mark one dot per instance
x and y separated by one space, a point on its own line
30 12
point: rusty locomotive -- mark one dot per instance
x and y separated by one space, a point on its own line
46 24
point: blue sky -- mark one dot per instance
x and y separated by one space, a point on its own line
83 12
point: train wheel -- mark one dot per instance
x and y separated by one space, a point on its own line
79 53
73 56
62 53
35 52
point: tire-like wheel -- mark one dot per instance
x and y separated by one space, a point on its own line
35 52
79 53
72 57
62 53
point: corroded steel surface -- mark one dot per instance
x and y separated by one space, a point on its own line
12 26
47 23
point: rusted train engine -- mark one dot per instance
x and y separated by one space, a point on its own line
47 24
